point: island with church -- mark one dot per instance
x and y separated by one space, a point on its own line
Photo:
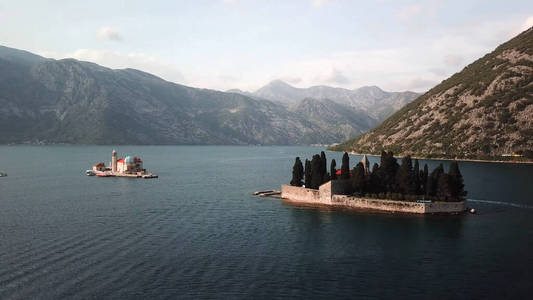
387 187
124 167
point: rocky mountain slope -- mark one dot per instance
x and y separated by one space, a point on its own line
484 111
70 101
338 119
375 102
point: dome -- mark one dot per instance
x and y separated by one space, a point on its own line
128 159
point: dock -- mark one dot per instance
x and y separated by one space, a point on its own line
268 193
115 174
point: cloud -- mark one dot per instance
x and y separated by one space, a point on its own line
528 23
108 34
335 76
453 60
320 3
291 79
437 71
406 13
417 65
420 84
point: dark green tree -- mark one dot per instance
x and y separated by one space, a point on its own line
324 167
358 178
416 174
308 175
433 180
345 167
387 172
316 172
444 187
404 177
457 187
424 179
332 169
297 173
375 183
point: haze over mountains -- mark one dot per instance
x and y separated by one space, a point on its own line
486 110
372 100
71 101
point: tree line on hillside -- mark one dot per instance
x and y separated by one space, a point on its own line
388 180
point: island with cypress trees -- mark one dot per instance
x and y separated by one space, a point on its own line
388 186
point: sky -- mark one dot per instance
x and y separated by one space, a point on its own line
244 44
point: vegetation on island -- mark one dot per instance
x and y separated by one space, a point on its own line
388 180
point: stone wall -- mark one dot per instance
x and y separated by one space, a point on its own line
300 194
330 194
378 204
398 206
437 207
323 195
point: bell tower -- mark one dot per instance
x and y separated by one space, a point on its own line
114 161
366 164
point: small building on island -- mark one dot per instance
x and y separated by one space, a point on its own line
130 166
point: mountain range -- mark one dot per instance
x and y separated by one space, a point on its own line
484 111
371 100
69 101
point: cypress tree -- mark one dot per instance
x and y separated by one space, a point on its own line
316 172
358 178
424 179
404 177
297 173
433 180
444 187
345 167
324 169
457 186
375 184
332 169
416 175
308 174
388 169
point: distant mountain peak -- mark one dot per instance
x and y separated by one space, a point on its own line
278 82
377 103
370 88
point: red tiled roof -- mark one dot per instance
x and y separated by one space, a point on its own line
339 172
121 160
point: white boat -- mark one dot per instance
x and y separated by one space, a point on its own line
90 173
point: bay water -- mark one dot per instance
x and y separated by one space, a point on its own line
197 232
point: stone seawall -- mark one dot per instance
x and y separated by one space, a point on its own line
398 206
300 194
327 194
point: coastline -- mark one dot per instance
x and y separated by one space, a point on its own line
448 159
331 194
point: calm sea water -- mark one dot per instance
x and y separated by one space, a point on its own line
196 232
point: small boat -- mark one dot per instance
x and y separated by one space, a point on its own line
90 173
423 201
2 174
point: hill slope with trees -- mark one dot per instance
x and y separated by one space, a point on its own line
485 111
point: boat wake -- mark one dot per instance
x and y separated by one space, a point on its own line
501 203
